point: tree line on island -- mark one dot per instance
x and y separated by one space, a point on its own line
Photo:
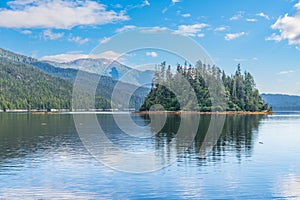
214 90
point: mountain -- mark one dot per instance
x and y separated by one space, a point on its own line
14 57
282 102
105 85
110 68
25 87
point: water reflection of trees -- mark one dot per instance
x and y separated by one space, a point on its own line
238 135
27 134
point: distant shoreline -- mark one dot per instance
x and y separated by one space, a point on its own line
207 113
148 112
56 111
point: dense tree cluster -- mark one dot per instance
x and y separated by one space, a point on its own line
25 87
214 89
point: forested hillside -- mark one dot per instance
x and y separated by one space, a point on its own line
25 87
58 78
105 85
239 90
281 102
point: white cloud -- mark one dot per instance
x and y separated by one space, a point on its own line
263 15
190 30
288 27
154 29
59 14
68 57
78 39
49 35
125 28
26 32
297 5
186 15
200 35
237 16
108 55
285 72
164 10
175 1
232 36
104 40
146 3
118 6
61 58
251 20
221 28
274 37
151 54
141 5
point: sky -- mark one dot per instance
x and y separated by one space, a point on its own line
263 36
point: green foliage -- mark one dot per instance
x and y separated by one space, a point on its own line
25 87
211 86
105 85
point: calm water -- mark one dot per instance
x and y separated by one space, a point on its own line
255 157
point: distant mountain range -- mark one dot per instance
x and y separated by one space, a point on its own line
281 102
59 76
110 68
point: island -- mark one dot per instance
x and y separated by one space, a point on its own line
238 90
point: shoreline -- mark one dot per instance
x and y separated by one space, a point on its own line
206 113
149 112
57 111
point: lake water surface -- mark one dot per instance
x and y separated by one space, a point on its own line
255 157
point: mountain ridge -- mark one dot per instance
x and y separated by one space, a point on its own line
105 86
281 102
16 57
108 67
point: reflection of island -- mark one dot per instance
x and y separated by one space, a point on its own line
237 135
38 136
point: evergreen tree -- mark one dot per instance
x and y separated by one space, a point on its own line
206 81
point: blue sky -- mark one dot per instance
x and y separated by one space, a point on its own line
263 36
